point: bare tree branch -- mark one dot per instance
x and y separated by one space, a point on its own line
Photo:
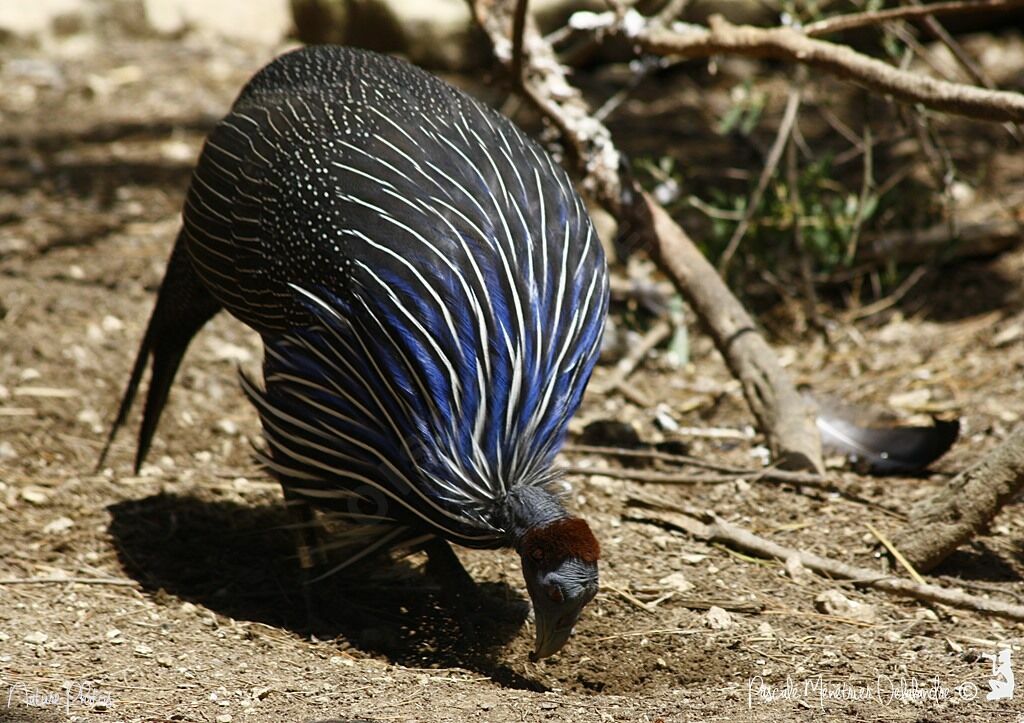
839 23
692 41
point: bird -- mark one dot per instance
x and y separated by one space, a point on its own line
430 294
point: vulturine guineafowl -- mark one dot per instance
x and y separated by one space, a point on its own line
430 294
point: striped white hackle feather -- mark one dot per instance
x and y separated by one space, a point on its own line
430 290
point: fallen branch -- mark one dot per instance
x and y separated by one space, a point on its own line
781 414
709 527
965 506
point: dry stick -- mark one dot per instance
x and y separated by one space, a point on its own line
518 26
116 581
654 455
792 180
628 364
781 413
793 46
840 23
894 551
766 475
964 506
710 527
770 165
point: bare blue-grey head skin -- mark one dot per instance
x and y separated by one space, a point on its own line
558 596
430 293
559 556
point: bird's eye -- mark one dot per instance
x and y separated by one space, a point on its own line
555 594
537 554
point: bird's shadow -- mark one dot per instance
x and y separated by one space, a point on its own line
239 560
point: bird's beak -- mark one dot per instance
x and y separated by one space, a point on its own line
552 634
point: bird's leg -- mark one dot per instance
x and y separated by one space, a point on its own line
459 590
308 548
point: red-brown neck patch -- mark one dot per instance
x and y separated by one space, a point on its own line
550 545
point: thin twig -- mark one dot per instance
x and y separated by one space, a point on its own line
658 333
839 23
651 454
793 181
769 475
892 299
518 27
897 555
56 580
770 164
866 185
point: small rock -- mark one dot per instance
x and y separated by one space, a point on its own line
37 637
341 660
165 662
143 650
1007 336
224 718
91 418
912 400
114 637
833 602
676 581
58 526
228 427
7 451
111 324
796 570
35 495
717 618
226 351
664 419
766 630
29 375
178 151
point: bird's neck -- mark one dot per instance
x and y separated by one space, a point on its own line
526 509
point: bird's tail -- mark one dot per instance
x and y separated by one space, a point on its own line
183 306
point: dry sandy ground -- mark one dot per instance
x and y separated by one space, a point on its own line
188 605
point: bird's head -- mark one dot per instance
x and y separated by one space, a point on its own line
560 568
